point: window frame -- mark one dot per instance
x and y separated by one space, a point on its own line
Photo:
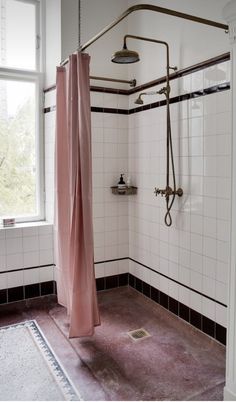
36 76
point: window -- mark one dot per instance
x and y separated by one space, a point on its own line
21 170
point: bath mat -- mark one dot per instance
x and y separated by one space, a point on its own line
29 369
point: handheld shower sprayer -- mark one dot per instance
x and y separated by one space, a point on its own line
139 100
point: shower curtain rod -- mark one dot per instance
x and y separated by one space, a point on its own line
151 8
132 83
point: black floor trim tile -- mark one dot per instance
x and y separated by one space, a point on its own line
208 326
155 295
139 285
100 283
132 280
32 291
123 279
173 306
146 289
164 300
196 319
184 312
111 282
46 288
3 296
221 334
15 294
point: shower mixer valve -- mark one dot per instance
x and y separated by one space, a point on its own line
168 191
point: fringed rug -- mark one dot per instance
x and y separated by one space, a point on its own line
29 369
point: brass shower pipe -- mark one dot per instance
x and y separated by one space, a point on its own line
157 9
132 83
168 191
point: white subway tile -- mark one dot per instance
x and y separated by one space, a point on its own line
3 281
46 274
14 261
99 270
31 276
31 259
15 279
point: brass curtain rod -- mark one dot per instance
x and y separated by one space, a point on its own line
132 83
149 7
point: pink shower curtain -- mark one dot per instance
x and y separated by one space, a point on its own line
73 197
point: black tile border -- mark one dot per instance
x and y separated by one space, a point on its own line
178 74
197 320
26 269
178 283
204 324
176 99
110 282
26 292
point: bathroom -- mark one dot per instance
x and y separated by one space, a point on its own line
176 280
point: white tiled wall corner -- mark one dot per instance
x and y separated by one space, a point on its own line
195 250
110 159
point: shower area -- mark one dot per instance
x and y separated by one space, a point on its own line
166 127
170 137
161 117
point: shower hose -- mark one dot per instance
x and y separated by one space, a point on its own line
170 158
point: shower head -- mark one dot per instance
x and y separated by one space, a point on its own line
139 100
125 56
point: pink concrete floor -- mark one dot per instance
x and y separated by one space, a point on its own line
176 363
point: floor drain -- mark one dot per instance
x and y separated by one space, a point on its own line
138 334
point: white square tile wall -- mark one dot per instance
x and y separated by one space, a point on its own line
27 246
110 159
195 250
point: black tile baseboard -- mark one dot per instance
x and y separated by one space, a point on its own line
20 293
113 281
191 316
197 320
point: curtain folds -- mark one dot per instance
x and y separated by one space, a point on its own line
73 197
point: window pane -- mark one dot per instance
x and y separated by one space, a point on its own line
17 34
18 177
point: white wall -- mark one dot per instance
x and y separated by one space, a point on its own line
189 42
95 16
69 27
52 39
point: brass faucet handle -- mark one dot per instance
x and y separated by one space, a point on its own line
168 191
159 191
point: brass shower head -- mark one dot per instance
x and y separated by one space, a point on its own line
139 100
125 56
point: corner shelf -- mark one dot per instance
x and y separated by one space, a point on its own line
128 191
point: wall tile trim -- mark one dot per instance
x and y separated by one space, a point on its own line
185 71
165 276
26 269
175 99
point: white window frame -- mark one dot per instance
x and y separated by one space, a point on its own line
36 76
